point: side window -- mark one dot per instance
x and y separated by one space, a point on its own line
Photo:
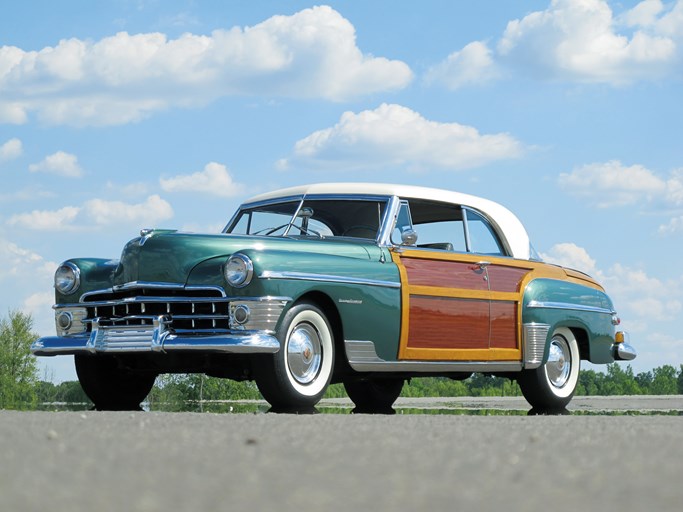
446 235
439 226
483 238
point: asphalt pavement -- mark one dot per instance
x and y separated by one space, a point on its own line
622 454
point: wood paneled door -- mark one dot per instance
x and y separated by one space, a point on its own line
459 307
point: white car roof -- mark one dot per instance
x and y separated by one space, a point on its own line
511 227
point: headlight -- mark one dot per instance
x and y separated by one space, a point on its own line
67 278
238 270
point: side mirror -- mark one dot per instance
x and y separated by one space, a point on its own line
305 213
409 237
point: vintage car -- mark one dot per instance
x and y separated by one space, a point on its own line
364 284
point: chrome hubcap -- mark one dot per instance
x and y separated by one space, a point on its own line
304 353
559 362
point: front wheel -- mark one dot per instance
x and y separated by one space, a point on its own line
297 376
552 385
109 387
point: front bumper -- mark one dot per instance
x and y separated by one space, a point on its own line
154 338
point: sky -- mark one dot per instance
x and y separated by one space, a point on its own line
130 114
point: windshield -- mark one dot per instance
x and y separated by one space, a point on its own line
320 218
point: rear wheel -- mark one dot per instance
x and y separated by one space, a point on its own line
111 387
552 385
374 394
297 376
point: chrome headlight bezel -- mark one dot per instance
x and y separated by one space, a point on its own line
238 270
67 278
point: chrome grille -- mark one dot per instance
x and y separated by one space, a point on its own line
201 311
187 313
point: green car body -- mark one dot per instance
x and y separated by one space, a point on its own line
327 283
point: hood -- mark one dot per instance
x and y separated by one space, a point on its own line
163 256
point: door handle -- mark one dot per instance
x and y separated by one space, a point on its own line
480 266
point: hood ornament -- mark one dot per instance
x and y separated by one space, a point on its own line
145 234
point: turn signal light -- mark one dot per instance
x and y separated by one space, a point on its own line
621 337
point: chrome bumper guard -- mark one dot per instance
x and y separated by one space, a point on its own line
623 352
153 338
621 348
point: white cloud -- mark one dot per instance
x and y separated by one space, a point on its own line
95 213
215 180
60 163
10 150
472 65
614 184
571 256
577 40
124 78
44 220
154 209
674 187
671 23
675 225
26 284
16 261
644 14
393 135
646 298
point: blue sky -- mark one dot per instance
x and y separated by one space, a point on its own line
128 114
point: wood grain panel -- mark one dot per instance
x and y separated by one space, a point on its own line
503 324
448 323
449 274
505 279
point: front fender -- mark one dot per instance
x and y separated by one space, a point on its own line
95 274
365 291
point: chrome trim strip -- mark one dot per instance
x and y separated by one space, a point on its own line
166 299
568 306
388 222
304 276
363 358
535 337
155 286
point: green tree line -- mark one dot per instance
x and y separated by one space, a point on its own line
174 392
20 387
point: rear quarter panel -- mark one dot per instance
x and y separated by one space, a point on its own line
571 304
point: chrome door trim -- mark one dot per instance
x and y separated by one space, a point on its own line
306 276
